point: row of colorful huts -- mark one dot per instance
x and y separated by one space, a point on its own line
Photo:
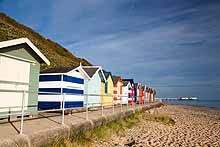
20 63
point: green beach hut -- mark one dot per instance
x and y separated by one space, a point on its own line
20 63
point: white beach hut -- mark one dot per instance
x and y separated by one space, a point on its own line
20 63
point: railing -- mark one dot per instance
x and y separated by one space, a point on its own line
87 105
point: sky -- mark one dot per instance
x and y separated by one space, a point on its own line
170 45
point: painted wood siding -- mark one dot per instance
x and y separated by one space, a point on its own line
137 95
21 51
118 91
94 86
72 85
33 86
131 94
102 92
128 93
146 96
150 96
108 100
125 94
13 71
85 91
141 95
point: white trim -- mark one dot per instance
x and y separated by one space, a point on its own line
103 73
13 82
96 72
99 68
92 66
28 42
82 70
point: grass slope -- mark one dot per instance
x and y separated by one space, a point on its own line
58 55
118 128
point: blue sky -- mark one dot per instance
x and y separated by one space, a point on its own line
171 45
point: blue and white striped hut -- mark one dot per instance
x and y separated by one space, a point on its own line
58 84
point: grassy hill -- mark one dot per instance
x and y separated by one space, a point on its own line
58 55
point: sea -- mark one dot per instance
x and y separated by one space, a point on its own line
199 102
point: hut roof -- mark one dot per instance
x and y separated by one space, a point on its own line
90 70
26 41
107 74
125 83
115 79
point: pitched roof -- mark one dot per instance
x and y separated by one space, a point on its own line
90 70
102 76
115 79
143 87
137 85
125 83
58 70
19 41
107 74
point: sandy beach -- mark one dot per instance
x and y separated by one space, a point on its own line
194 126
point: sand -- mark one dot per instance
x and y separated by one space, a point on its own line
194 126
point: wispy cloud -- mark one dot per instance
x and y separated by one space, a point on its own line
192 43
169 44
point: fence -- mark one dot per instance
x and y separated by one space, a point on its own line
22 109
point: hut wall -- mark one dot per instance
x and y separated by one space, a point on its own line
53 88
131 94
102 92
118 91
125 94
94 86
21 71
108 100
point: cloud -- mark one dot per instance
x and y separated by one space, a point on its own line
172 44
192 43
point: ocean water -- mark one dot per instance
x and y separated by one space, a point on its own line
205 103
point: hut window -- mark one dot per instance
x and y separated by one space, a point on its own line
106 87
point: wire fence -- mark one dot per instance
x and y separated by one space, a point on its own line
23 109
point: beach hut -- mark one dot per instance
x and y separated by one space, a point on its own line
58 84
128 91
143 94
146 94
125 91
151 95
154 95
138 92
95 84
117 90
20 63
107 91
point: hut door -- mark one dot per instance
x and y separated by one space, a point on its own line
14 76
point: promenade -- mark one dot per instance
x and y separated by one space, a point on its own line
53 120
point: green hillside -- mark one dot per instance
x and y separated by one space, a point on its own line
58 55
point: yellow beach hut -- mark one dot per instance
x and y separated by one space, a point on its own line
107 89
